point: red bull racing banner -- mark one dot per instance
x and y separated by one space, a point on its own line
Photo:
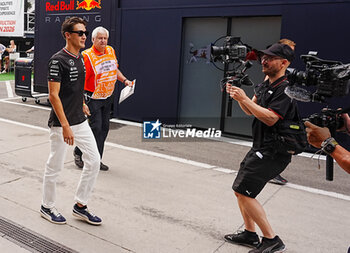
87 9
73 5
49 16
11 18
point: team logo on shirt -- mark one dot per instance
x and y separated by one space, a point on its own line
71 62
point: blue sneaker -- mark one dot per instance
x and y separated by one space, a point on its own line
84 214
52 215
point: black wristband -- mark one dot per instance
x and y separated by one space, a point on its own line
125 80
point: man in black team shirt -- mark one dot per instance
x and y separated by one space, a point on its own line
68 124
263 162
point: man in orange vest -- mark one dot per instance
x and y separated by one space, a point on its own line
101 75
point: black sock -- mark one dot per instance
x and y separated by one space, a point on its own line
270 240
250 232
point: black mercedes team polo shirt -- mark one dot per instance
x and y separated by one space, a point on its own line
69 70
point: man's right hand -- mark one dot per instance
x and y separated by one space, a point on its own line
68 136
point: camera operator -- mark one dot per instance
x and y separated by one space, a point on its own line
279 179
262 163
320 137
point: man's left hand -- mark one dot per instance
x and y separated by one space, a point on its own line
129 83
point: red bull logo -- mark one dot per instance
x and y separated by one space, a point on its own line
60 6
88 4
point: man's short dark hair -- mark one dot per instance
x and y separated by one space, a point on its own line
69 23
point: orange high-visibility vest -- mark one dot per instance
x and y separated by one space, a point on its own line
104 67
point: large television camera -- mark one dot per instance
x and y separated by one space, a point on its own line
329 118
231 51
331 78
232 54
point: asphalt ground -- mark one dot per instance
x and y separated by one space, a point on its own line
302 171
162 196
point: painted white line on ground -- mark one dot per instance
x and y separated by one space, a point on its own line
224 170
222 139
8 99
24 125
142 151
126 122
9 89
194 163
318 191
314 156
225 139
27 105
159 155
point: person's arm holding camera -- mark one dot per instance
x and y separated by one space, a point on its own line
320 137
243 107
263 114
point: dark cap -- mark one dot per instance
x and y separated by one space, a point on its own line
281 50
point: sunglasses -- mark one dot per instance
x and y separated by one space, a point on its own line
80 33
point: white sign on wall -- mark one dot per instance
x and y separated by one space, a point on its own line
11 18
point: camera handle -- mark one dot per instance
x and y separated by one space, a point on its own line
329 159
329 168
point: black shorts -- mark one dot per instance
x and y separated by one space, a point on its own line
257 168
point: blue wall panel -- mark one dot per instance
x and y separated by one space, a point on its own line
150 52
147 36
151 42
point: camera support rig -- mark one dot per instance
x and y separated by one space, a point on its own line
331 79
333 120
332 129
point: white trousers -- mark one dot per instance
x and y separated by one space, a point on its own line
85 140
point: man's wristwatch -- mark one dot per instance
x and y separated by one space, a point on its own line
328 145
